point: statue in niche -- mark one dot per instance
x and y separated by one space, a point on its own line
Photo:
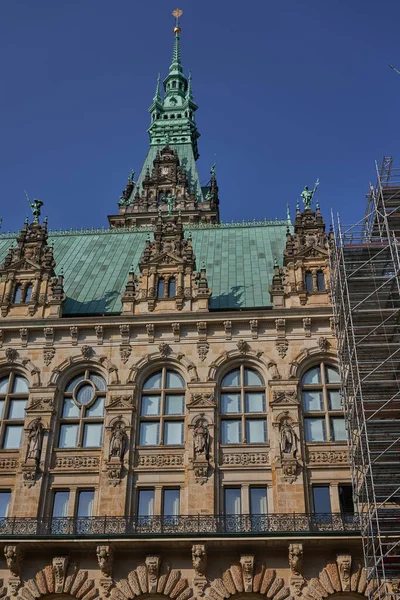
118 441
35 439
201 439
288 438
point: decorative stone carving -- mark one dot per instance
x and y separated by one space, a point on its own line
280 325
11 354
295 558
105 558
282 347
118 440
150 332
232 583
321 457
228 329
125 351
323 344
13 556
153 568
8 464
330 581
99 334
114 471
29 475
125 333
307 326
77 462
48 335
176 330
273 369
283 397
332 325
242 346
76 584
60 565
245 459
202 330
86 351
247 562
160 460
74 335
288 439
202 349
23 334
199 559
254 328
164 349
344 566
48 355
202 399
201 439
35 441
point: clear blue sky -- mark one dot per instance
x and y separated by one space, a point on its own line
287 92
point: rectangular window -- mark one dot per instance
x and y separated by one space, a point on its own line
174 405
92 434
346 499
13 437
149 433
97 409
315 429
338 429
254 402
232 501
231 432
321 499
4 504
312 401
146 503
60 504
171 508
258 501
68 436
173 433
151 406
2 402
85 503
334 400
70 409
17 409
256 431
230 404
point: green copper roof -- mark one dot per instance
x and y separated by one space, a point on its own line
239 260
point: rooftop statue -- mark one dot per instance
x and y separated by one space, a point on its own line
308 195
35 206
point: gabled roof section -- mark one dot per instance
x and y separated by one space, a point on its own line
239 260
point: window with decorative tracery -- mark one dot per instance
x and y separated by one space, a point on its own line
243 408
323 413
14 392
82 413
162 409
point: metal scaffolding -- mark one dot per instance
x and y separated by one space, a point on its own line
365 270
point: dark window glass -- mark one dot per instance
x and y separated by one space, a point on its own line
232 501
17 294
309 284
346 499
160 288
321 499
4 503
172 288
28 293
320 281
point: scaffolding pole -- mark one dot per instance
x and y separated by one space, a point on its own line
365 268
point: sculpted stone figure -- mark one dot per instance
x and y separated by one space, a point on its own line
118 441
201 439
288 438
295 558
35 439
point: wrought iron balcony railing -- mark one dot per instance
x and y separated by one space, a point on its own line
181 526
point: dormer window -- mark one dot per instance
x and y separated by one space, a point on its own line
174 84
17 294
161 288
28 293
320 281
172 288
309 281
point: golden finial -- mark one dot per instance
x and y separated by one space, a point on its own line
177 13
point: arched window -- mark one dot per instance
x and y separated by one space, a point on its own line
242 408
17 294
162 409
308 281
172 288
28 293
14 391
323 414
161 288
83 411
320 281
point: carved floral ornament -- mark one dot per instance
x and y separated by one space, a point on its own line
176 360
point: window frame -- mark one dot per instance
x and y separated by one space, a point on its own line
243 416
326 413
82 420
8 396
162 419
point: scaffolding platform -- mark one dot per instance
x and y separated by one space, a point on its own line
365 269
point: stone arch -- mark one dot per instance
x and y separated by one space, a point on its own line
234 357
180 362
248 578
306 358
25 366
152 578
333 579
59 579
73 364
